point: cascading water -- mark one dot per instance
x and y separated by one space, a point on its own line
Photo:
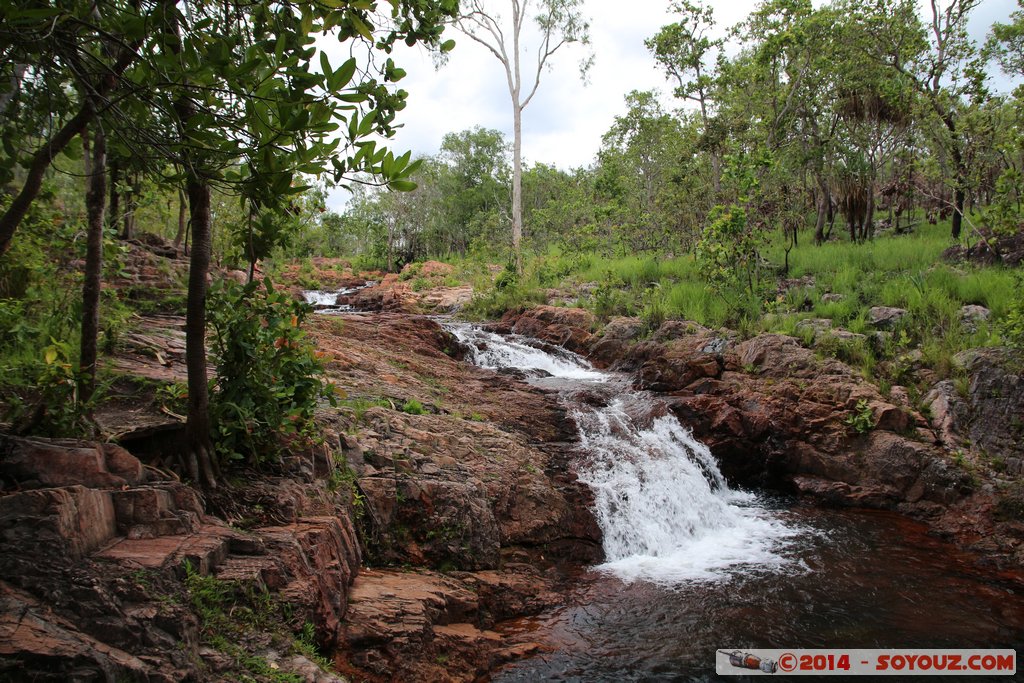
667 514
674 532
327 301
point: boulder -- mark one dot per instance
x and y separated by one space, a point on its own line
567 327
972 316
885 317
37 462
990 415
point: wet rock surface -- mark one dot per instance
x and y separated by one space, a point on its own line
428 463
777 415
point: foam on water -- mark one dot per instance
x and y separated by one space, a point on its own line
318 298
667 514
494 351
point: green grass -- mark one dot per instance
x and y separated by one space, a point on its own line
905 271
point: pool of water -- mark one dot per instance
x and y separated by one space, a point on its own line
856 580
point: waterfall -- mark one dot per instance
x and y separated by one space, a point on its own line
327 301
667 514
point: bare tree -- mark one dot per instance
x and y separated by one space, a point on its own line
559 22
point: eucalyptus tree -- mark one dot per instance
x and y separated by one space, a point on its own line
640 172
474 186
944 65
687 54
503 28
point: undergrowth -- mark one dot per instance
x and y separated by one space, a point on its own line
231 615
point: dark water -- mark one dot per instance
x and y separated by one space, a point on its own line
719 569
859 580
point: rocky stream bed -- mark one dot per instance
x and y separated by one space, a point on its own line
457 542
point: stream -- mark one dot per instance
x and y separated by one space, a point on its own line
694 565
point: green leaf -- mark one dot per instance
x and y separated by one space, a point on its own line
361 27
343 75
402 185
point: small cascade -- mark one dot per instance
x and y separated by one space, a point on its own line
667 514
327 301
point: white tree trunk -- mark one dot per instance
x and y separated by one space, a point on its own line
517 185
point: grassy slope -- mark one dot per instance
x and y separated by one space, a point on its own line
905 271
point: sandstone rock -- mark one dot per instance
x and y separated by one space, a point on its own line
991 415
948 412
60 462
610 346
971 316
447 299
885 317
399 622
316 560
568 327
818 325
72 521
33 641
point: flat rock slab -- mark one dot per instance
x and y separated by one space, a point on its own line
205 550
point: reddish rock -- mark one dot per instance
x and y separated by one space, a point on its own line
72 521
568 327
33 641
33 462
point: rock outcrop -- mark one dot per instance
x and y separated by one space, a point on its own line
80 566
775 414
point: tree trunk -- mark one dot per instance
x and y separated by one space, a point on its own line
95 198
17 74
201 461
824 203
130 203
869 217
115 197
959 195
517 185
34 180
960 189
182 219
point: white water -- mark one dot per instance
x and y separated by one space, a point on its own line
327 302
665 510
494 351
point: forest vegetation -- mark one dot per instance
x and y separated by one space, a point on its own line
819 162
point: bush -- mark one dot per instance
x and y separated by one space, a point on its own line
268 379
861 419
1012 325
413 407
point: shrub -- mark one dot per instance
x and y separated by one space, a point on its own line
412 407
862 419
268 379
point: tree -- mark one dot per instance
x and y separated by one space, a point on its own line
232 95
559 23
640 170
255 109
944 66
473 185
683 50
1006 43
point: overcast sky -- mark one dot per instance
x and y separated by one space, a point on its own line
564 123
